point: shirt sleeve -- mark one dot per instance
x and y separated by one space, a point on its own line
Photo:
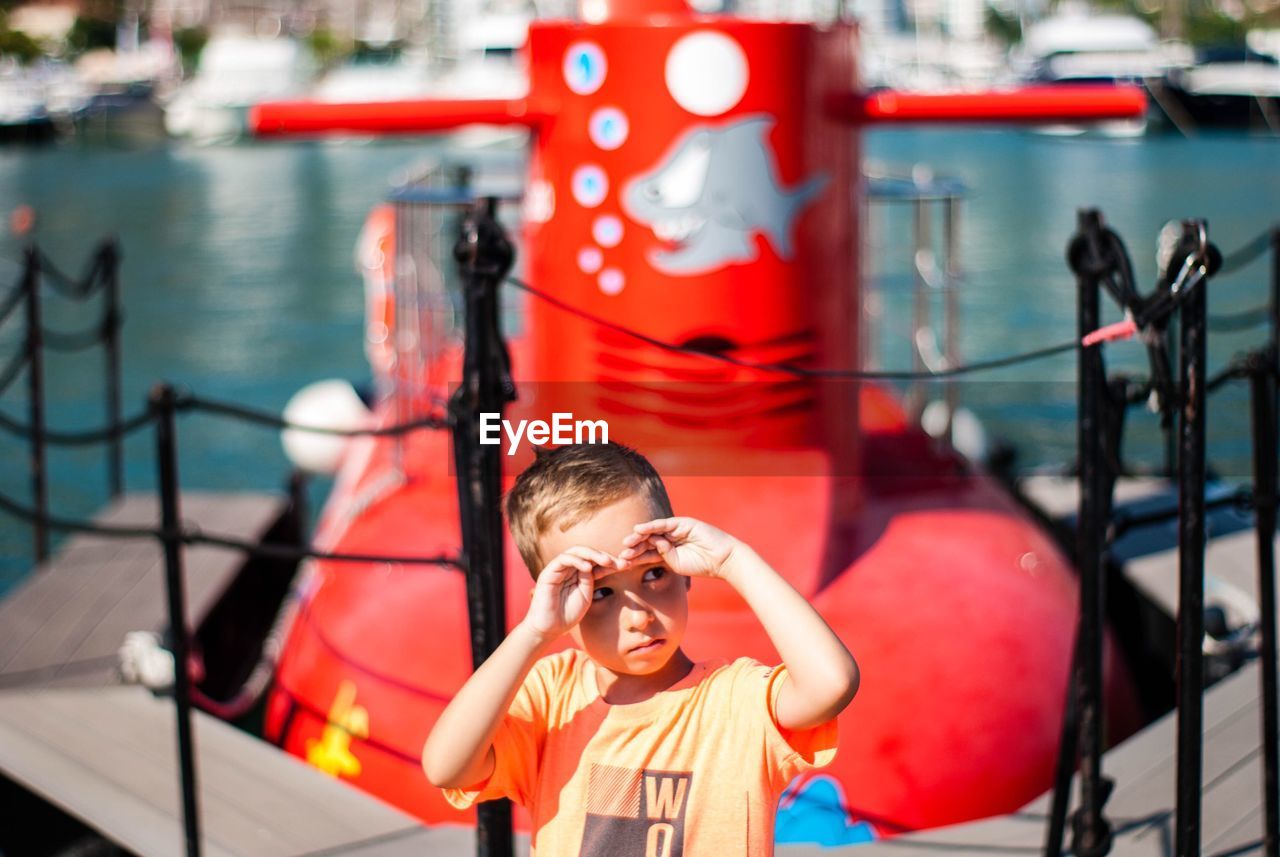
517 746
788 752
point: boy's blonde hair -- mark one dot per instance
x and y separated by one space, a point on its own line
565 485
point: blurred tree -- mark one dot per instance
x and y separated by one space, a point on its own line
190 41
88 34
17 44
1210 27
327 47
1006 29
20 46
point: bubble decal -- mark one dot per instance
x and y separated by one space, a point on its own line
609 128
707 73
590 185
584 67
611 281
590 259
607 230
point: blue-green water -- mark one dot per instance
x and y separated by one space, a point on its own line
239 280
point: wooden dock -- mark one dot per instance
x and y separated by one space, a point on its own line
106 753
62 626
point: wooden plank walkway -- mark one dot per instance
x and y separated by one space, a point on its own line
63 625
109 757
107 753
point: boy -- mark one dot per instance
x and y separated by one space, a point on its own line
625 746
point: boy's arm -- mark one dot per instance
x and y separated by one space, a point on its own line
459 751
822 676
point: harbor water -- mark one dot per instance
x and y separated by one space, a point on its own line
239 282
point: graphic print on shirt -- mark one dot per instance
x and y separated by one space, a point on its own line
634 813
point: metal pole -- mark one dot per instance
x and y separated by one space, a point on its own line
1169 432
485 255
35 403
1189 667
1068 742
1262 387
1091 834
951 304
165 404
920 301
1264 461
111 348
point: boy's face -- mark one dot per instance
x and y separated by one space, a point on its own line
637 617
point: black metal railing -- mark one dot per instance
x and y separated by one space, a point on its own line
484 255
1099 259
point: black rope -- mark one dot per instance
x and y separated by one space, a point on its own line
1242 256
12 301
189 401
13 369
54 522
1243 366
71 287
80 438
192 535
1243 320
801 371
80 340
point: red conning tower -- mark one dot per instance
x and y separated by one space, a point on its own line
696 178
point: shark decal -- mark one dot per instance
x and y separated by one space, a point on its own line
717 187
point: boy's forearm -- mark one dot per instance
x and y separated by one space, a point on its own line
823 674
457 751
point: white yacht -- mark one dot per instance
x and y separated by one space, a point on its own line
1076 47
234 73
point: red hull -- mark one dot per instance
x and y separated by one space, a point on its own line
960 612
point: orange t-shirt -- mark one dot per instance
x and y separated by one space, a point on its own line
694 771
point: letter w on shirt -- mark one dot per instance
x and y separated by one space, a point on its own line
634 813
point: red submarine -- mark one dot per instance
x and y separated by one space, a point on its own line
696 178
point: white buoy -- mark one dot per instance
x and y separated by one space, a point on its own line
331 404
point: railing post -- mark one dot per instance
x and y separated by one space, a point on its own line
951 304
1091 834
1262 388
484 254
1189 667
164 402
922 250
110 259
35 404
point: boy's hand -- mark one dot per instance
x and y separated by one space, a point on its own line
686 545
563 591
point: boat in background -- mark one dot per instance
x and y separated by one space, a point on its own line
1230 87
24 116
1074 47
377 73
236 72
128 86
